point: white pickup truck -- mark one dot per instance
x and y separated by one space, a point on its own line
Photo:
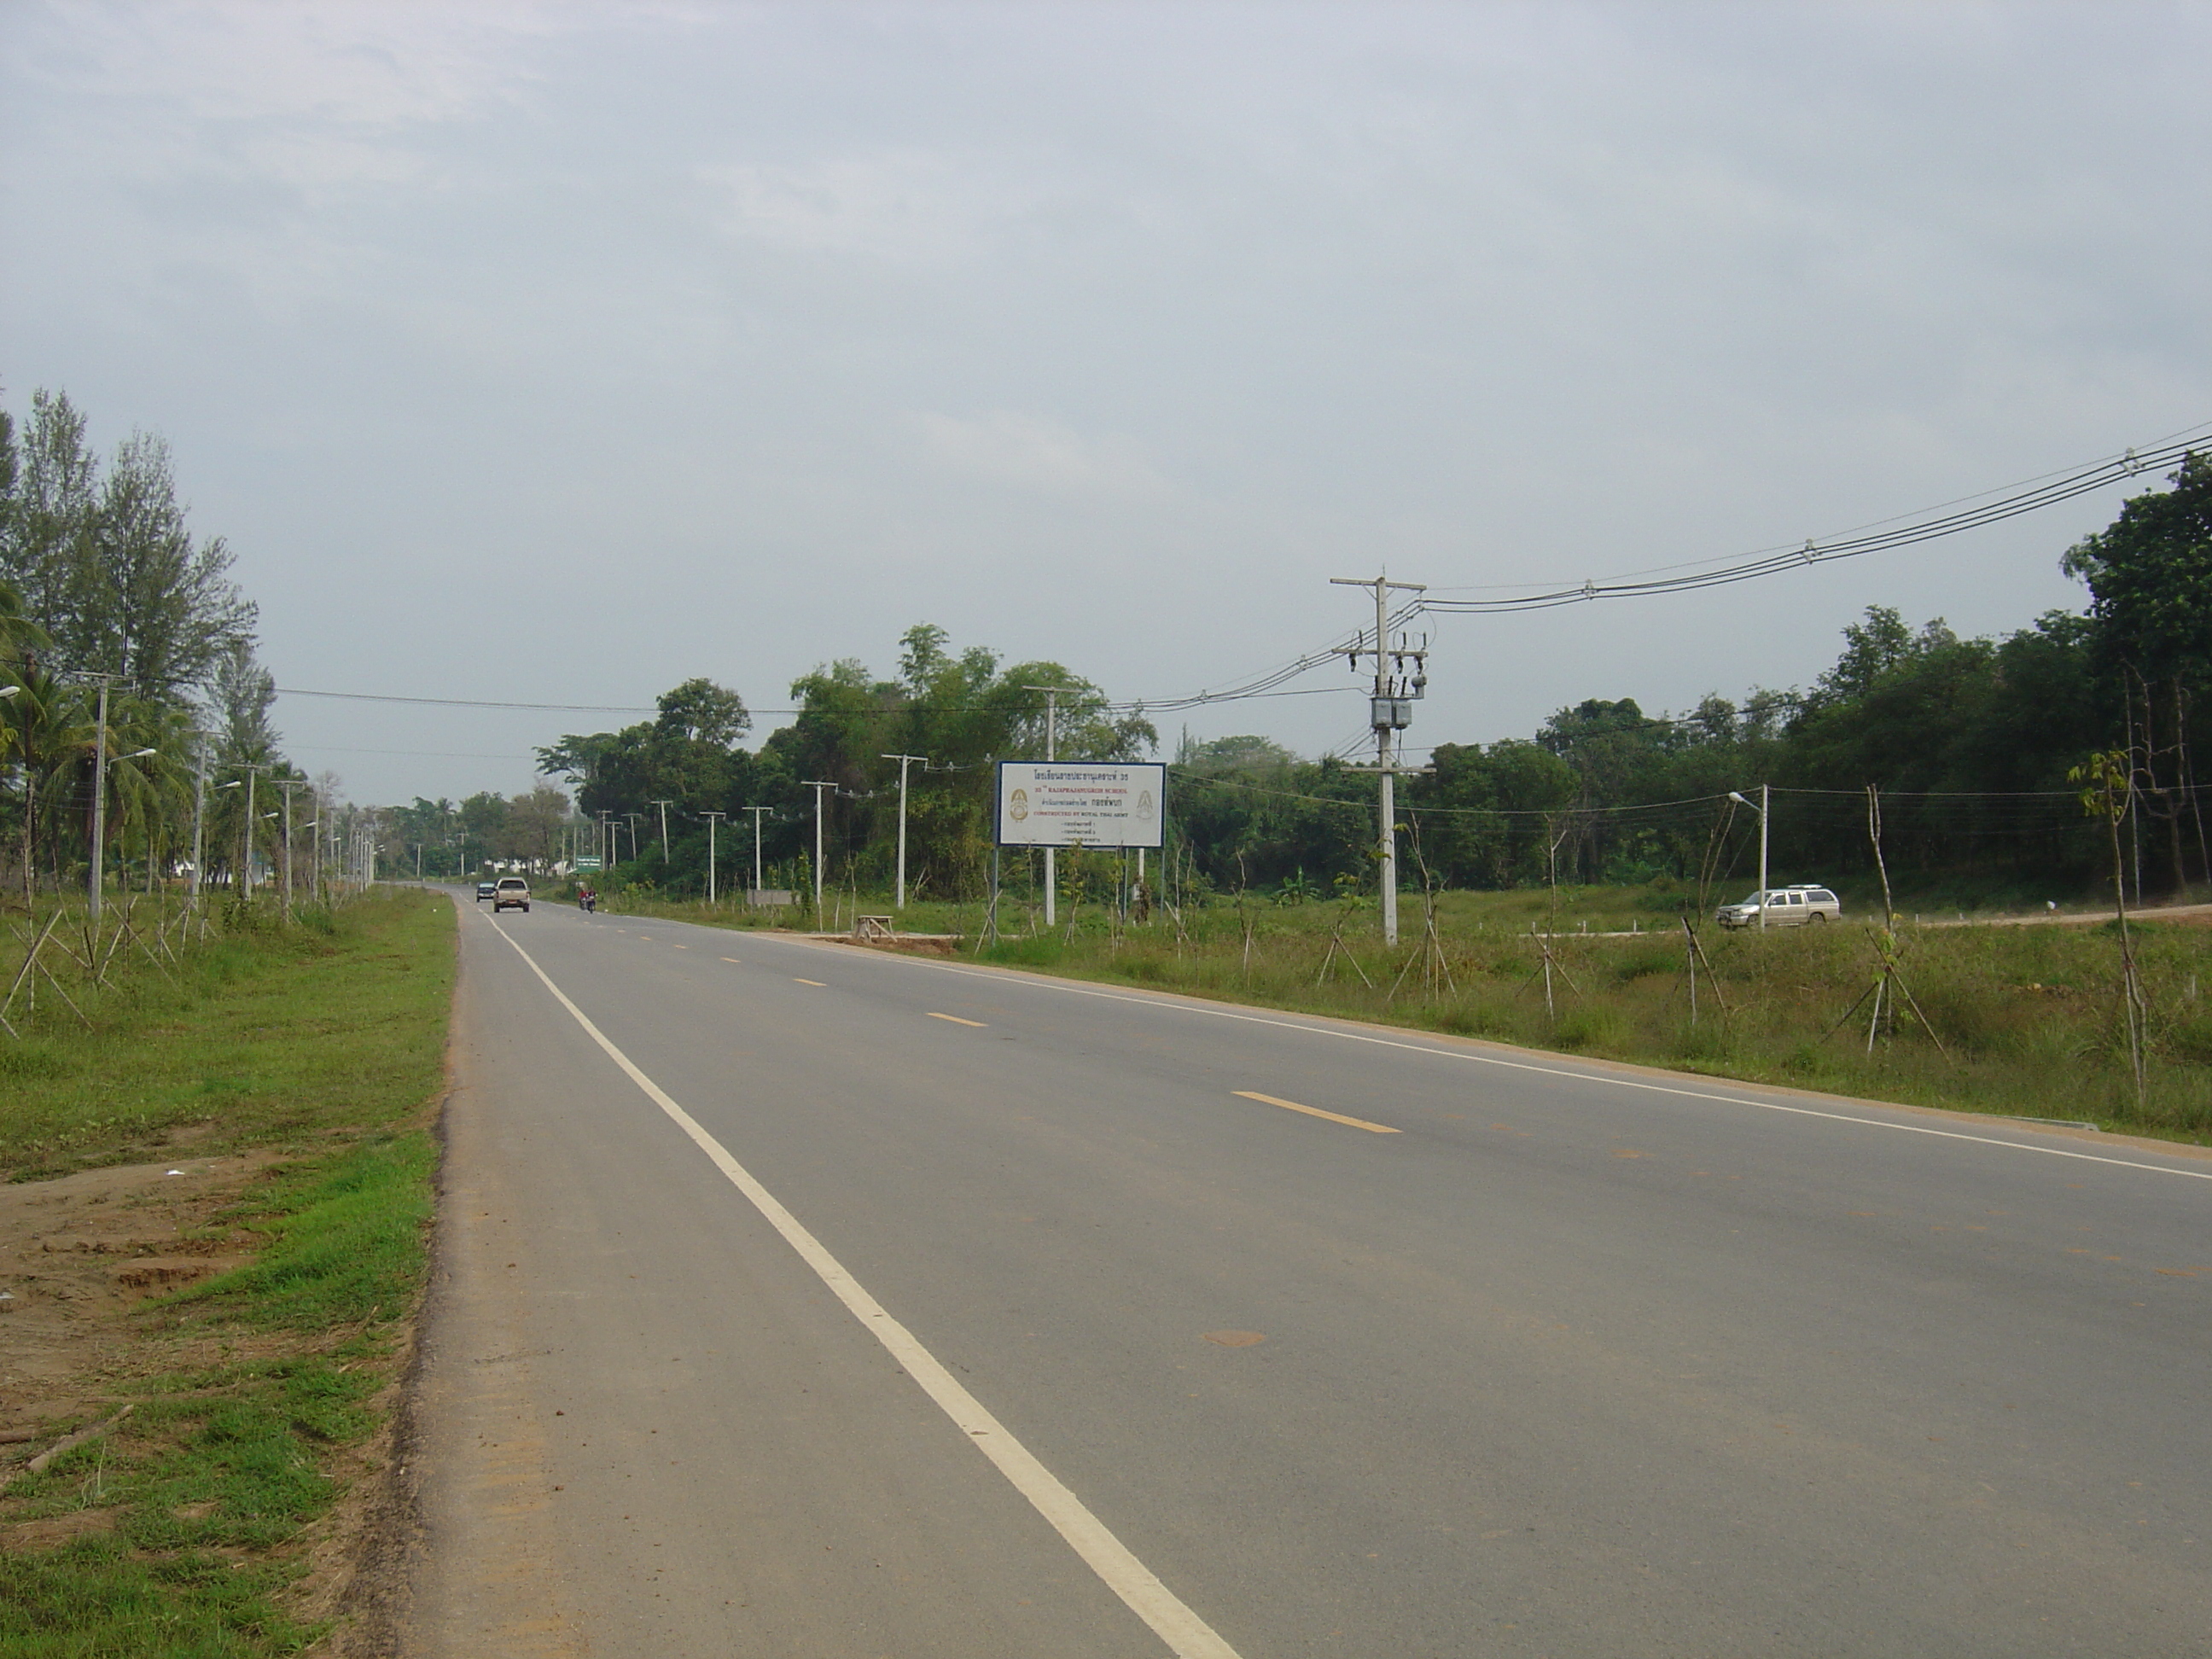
513 892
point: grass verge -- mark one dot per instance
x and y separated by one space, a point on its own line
300 1066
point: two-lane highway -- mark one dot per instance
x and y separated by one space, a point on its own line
802 1300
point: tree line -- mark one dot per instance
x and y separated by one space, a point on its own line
1970 742
104 585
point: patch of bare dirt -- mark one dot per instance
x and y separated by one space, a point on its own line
79 1254
81 1258
911 945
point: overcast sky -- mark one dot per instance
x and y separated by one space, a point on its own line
558 353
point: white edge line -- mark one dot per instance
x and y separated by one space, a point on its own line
1186 1635
1041 983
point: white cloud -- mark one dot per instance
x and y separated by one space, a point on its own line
903 206
380 64
1034 452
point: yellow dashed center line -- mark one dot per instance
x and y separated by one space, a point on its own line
795 980
733 962
682 947
957 1020
1316 1111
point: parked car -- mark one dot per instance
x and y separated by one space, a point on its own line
485 889
1785 907
513 892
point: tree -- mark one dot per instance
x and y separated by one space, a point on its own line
534 822
54 503
688 753
1496 806
242 692
2150 578
107 564
148 604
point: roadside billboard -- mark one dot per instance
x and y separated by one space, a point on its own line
1081 803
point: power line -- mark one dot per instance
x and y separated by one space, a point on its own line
469 703
2048 490
1139 705
2058 488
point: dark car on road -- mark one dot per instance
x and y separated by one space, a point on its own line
486 890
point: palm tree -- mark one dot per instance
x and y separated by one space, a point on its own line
44 730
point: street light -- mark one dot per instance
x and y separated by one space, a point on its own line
288 785
713 818
904 762
101 761
252 768
1761 810
758 813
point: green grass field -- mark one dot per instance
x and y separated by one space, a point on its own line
252 1391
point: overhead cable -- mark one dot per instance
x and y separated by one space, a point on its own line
2057 487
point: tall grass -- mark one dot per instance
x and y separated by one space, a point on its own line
254 1035
323 1041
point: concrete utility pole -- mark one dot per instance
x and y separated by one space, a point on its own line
817 786
199 818
1765 791
288 785
245 853
100 796
712 819
1390 712
99 799
632 818
664 807
904 761
757 811
1051 753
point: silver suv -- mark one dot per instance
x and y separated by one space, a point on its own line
511 891
1785 907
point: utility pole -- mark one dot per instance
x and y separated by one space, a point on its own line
664 807
905 761
817 786
246 855
1390 712
633 817
757 811
100 796
288 785
1051 753
199 818
606 839
712 819
1765 791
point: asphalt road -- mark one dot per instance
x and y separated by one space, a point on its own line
1580 1360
